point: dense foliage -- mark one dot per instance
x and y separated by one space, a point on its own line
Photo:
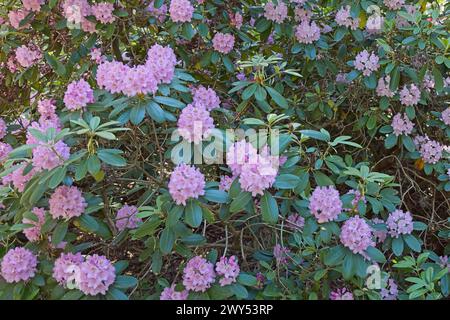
124 175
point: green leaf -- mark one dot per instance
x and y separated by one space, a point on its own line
277 97
111 157
316 135
57 66
412 242
239 203
408 143
334 256
193 214
239 291
125 282
438 80
59 233
286 181
166 240
137 114
269 208
348 267
376 255
217 196
397 246
390 141
171 102
89 223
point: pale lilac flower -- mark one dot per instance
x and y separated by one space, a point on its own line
225 183
161 61
195 123
430 150
344 18
302 14
366 62
295 221
18 264
33 5
379 235
33 233
169 293
181 10
16 16
5 149
276 13
26 56
3 128
97 274
75 11
66 266
236 20
410 96
259 176
186 182
394 4
402 125
67 202
17 177
206 97
281 254
78 95
198 275
159 13
356 235
223 42
325 204
445 116
238 154
228 270
399 222
383 89
127 218
307 32
103 12
428 82
374 23
390 292
48 157
341 294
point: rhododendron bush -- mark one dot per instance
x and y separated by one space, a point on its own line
208 149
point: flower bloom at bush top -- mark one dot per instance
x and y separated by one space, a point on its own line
430 150
181 10
325 204
341 294
33 5
97 274
410 96
205 97
343 18
33 233
257 177
238 154
198 275
161 62
50 156
18 264
186 182
27 57
67 202
366 62
103 12
402 125
126 218
223 42
276 13
195 123
399 222
307 32
78 95
356 235
383 89
228 270
66 266
169 293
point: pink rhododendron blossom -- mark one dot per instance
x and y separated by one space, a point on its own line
169 293
227 270
402 125
281 254
159 13
356 235
341 294
33 233
307 32
428 82
295 221
18 179
225 183
33 5
257 177
302 14
383 89
18 264
75 11
366 62
277 13
181 10
46 108
325 204
198 275
127 218
399 222
96 55
96 275
78 95
66 267
195 123
394 4
16 16
103 12
240 153
445 116
161 62
430 150
379 235
5 149
186 182
390 292
206 97
344 18
48 157
236 20
410 95
27 57
67 202
374 24
3 128
223 42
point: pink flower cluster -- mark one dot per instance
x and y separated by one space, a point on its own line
402 125
103 12
379 235
238 154
97 274
27 56
390 292
76 12
18 179
383 89
281 254
16 16
225 183
3 128
325 204
228 270
117 77
5 149
276 13
33 233
399 222
430 150
343 18
195 123
18 264
295 221
445 116
410 96
428 82
186 182
67 202
169 293
356 235
236 20
33 5
78 95
159 13
181 10
223 42
307 32
341 294
394 4
66 266
198 275
366 62
206 97
127 218
48 157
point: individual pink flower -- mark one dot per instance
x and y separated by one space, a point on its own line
399 222
366 62
67 202
307 32
356 235
402 125
96 55
276 13
161 61
33 5
281 254
181 10
159 13
198 275
325 204
341 294
186 182
344 18
75 11
48 157
227 270
78 95
379 235
410 96
138 80
240 153
394 4
302 14
27 57
5 149
103 12
96 275
225 183
195 123
257 177
169 293
3 128
430 150
383 89
127 218
206 97
295 221
18 179
66 267
390 292
46 108
223 42
18 264
16 16
445 116
428 82
33 233
236 20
